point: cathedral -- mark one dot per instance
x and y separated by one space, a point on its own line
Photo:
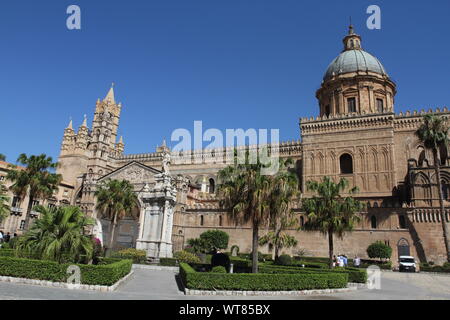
356 135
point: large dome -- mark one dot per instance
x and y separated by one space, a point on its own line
354 61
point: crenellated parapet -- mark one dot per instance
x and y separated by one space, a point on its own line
411 120
345 122
217 155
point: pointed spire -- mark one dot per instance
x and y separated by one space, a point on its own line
164 144
84 122
70 126
121 140
110 96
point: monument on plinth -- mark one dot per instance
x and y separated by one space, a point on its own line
156 221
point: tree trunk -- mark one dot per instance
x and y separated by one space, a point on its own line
112 233
330 248
437 167
277 252
255 246
27 214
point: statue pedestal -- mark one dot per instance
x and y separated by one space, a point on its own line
156 221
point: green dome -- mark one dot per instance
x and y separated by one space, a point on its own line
354 61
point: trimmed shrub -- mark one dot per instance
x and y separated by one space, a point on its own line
7 253
426 267
354 274
307 264
219 269
260 282
379 250
105 275
215 239
284 260
168 262
138 256
187 257
220 259
383 266
104 260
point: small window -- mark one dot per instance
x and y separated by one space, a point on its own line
351 103
302 221
202 221
402 221
380 105
327 110
373 222
220 221
22 225
212 186
16 202
445 190
346 163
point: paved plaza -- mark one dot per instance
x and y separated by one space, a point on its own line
164 285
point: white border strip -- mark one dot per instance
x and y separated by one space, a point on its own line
190 292
64 285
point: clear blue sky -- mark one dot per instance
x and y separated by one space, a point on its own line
231 64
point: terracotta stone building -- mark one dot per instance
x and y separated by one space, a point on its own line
356 135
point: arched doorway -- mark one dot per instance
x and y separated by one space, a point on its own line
403 248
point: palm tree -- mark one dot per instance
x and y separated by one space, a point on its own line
35 179
329 212
278 240
115 200
433 134
284 189
244 193
58 235
4 203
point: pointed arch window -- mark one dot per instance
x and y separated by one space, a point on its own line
346 163
373 222
212 186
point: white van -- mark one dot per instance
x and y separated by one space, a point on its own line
407 263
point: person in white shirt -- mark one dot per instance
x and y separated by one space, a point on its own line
357 262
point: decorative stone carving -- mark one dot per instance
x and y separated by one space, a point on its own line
155 234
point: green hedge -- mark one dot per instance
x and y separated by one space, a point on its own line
168 262
354 275
52 271
431 268
260 282
6 252
138 256
105 261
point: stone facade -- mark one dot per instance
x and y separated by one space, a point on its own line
356 135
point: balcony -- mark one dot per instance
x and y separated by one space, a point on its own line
34 214
16 211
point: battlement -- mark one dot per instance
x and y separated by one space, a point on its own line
411 120
346 122
286 148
